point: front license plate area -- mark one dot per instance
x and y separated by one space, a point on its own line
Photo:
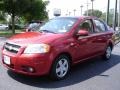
7 60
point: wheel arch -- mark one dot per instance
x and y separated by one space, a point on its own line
62 53
54 61
66 54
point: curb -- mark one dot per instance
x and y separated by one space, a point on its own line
117 42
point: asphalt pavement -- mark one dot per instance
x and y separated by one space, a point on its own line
94 75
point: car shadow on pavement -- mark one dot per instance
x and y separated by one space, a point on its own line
78 74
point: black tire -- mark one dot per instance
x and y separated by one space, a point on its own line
108 53
54 74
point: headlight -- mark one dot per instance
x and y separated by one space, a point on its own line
37 48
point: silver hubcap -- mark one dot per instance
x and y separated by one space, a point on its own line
108 52
62 68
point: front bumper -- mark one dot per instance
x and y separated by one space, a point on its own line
20 63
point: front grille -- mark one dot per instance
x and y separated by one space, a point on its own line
11 47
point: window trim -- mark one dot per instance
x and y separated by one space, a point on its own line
77 27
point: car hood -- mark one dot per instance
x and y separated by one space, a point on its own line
34 38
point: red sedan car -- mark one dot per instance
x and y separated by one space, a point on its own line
59 44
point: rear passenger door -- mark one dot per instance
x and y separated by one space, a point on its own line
100 31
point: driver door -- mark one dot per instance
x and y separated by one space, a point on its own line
85 46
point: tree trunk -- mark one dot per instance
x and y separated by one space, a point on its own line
13 23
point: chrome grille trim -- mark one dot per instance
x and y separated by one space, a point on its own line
11 47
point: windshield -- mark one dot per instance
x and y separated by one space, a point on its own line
58 25
34 26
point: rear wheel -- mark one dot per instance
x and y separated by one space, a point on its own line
60 67
107 54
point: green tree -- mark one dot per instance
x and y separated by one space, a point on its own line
37 10
111 17
29 9
1 12
103 17
96 13
2 16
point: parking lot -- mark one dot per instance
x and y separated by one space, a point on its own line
94 75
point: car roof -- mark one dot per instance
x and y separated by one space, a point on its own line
78 17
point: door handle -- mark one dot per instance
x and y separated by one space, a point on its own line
72 44
104 36
75 45
84 40
99 39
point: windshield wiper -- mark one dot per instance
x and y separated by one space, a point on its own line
47 31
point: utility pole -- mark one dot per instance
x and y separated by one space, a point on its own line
66 13
74 11
119 15
115 16
92 6
81 9
87 6
69 13
108 7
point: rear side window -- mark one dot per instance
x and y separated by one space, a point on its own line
100 27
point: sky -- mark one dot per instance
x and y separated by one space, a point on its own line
67 6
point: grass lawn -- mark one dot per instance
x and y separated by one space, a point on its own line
8 33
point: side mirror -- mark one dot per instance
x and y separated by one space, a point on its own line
82 33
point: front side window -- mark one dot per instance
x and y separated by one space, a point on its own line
86 25
58 25
100 27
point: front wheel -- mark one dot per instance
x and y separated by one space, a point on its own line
60 67
107 54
